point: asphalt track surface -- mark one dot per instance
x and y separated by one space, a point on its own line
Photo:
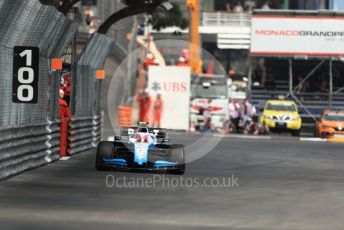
281 184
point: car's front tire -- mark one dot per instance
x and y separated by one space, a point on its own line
296 133
104 151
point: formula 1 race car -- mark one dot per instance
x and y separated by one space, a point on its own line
143 149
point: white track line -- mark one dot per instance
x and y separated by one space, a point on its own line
244 136
313 139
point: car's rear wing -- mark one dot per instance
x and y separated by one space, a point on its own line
159 133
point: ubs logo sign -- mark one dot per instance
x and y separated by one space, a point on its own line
174 87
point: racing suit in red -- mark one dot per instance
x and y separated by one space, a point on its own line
158 109
144 102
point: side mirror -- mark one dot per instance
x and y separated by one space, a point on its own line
117 138
261 110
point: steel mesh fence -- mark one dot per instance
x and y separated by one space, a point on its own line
34 25
87 86
119 31
29 133
85 128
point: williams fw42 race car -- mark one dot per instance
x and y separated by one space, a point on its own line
142 149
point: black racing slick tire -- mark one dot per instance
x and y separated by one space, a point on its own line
161 135
104 151
178 155
296 133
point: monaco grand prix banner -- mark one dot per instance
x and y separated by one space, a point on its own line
297 35
173 85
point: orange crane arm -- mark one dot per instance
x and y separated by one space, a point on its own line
194 43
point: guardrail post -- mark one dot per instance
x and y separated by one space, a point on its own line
95 127
48 143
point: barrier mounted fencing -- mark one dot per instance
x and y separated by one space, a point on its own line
30 132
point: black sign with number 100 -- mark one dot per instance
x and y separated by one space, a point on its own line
25 74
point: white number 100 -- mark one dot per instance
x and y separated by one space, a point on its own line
26 80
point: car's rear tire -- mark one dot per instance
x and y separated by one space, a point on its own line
296 133
179 171
124 132
104 151
178 155
161 135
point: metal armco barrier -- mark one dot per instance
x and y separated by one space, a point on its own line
28 146
30 133
84 134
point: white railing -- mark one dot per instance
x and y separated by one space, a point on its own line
226 19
